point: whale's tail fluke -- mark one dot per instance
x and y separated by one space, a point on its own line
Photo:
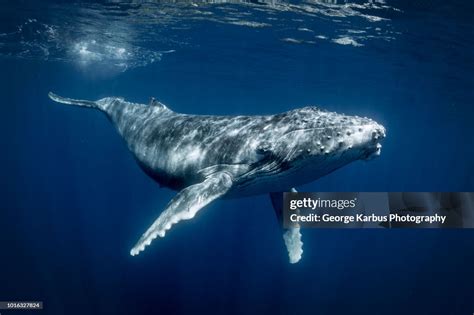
71 101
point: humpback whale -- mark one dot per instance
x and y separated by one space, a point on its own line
205 157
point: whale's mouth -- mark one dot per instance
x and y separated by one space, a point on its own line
375 148
373 153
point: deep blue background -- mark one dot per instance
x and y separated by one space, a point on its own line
73 201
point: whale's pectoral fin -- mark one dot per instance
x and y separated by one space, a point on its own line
291 236
184 206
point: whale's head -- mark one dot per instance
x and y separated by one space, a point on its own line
324 141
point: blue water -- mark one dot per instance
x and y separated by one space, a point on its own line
73 201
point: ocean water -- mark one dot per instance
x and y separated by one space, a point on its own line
73 200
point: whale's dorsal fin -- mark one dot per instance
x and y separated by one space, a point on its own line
184 206
156 103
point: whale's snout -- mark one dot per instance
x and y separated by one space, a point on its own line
374 134
337 137
359 137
